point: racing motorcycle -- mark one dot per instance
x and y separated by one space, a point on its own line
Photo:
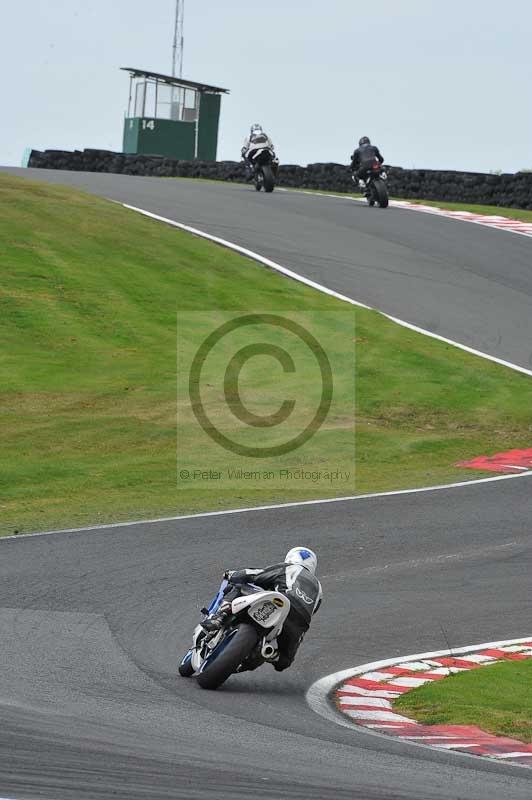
247 639
376 190
265 168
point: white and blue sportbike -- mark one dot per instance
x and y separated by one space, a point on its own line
247 638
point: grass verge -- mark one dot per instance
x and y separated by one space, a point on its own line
497 699
88 304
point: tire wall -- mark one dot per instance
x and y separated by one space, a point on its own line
509 190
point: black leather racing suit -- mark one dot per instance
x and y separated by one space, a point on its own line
303 590
363 158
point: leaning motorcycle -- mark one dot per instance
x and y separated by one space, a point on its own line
247 639
376 190
265 165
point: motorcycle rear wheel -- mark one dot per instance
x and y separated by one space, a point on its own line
269 180
381 193
231 656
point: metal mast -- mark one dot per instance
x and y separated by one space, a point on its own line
177 50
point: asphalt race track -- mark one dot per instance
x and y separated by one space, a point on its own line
90 705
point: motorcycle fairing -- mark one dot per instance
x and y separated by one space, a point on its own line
267 609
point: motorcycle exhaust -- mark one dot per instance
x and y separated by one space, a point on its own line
268 651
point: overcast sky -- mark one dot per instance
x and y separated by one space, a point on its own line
441 84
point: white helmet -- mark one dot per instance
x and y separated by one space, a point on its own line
256 128
302 556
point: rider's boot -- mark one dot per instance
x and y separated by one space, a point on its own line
216 620
362 184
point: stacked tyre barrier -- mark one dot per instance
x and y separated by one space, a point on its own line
507 190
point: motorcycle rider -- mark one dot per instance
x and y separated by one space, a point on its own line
256 140
364 156
295 578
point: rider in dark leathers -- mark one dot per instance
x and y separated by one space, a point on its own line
364 156
294 578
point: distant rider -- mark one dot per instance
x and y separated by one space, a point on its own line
296 579
362 159
256 140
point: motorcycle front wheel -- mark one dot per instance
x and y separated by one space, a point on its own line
228 656
185 667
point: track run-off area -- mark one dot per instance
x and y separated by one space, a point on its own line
90 622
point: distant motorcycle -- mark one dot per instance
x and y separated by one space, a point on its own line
376 190
265 166
246 640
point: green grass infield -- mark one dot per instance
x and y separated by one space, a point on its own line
497 699
102 314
